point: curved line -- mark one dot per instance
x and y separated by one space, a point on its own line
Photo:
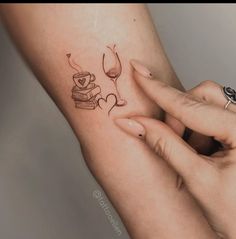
103 64
113 105
117 60
120 66
123 104
99 104
110 48
72 64
99 100
69 62
80 68
105 99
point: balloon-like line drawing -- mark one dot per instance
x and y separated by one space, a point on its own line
87 94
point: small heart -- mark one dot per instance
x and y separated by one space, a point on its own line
108 103
82 81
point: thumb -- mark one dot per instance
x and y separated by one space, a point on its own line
167 144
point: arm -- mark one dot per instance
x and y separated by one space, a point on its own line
55 39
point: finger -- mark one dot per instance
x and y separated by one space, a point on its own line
211 92
204 118
167 144
174 124
203 144
142 71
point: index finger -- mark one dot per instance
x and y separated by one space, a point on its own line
200 116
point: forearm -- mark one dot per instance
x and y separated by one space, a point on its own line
46 34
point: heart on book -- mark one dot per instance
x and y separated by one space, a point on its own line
108 103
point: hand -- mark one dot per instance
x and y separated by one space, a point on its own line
201 143
211 179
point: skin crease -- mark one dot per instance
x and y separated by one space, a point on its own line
212 178
140 185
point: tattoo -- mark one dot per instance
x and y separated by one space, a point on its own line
87 94
109 103
114 73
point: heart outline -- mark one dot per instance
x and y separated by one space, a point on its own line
82 81
105 100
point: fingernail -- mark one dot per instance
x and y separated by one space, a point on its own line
131 126
141 69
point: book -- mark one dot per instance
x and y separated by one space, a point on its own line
86 94
86 104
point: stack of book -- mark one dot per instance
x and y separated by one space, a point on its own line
86 98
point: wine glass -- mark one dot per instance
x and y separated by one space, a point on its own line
114 73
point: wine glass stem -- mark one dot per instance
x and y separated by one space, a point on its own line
117 92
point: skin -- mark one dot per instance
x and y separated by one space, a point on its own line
127 168
211 179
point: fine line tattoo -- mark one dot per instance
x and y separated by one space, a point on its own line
108 103
114 73
87 94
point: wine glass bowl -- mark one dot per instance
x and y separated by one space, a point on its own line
114 73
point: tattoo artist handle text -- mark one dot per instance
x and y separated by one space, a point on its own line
104 205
